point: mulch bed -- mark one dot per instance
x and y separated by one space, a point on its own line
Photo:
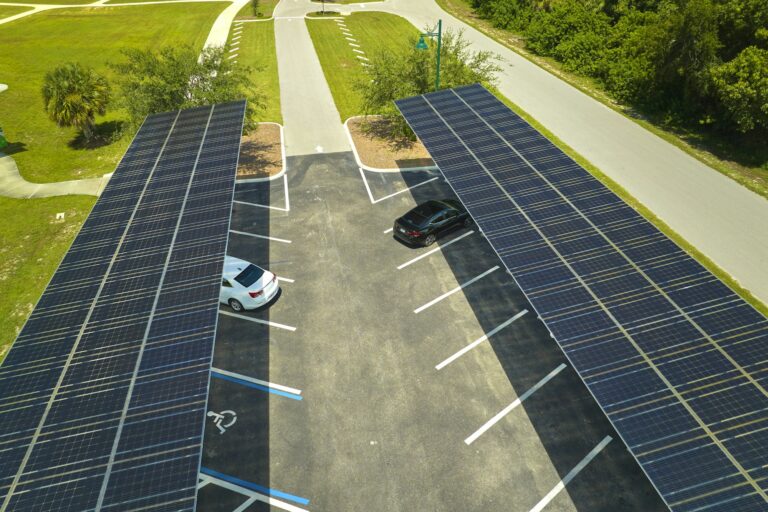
261 153
382 153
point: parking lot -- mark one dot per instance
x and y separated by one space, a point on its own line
390 378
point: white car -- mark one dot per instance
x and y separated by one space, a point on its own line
245 285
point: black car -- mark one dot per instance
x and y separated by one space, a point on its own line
425 223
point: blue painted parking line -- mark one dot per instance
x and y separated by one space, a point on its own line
254 487
292 396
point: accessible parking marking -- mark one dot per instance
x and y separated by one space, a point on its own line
571 474
251 490
436 249
269 387
263 237
479 341
458 288
258 321
488 424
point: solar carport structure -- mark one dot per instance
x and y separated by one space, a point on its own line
103 394
677 361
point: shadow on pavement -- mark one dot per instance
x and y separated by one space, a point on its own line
566 418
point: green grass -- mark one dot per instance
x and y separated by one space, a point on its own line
374 32
10 10
266 9
32 244
743 160
257 49
91 36
55 2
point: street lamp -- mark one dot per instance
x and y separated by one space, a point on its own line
422 45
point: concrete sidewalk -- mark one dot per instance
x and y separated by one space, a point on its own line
12 184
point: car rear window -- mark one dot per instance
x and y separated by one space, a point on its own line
250 275
423 212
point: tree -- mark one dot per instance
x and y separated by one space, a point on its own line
172 78
73 95
410 71
741 85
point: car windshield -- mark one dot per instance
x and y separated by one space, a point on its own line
250 275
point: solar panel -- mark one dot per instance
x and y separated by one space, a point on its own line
676 360
103 393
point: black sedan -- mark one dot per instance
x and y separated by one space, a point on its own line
428 221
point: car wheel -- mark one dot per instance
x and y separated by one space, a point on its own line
468 222
236 305
430 239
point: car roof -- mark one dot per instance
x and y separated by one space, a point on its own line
233 266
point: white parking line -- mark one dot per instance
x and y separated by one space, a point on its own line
436 249
287 199
370 194
575 471
258 321
355 45
458 288
261 236
281 278
488 424
358 51
388 230
479 341
257 381
232 56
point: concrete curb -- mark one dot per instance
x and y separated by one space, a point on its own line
376 169
282 171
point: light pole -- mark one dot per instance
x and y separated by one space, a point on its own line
422 45
3 142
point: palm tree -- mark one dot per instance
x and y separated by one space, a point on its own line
73 95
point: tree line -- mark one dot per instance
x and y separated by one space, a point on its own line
148 81
696 62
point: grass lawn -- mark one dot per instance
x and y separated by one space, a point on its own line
266 9
91 36
374 32
10 10
32 244
257 49
745 161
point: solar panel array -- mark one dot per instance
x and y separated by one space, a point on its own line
677 361
103 394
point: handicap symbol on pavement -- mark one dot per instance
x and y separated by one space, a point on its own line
223 420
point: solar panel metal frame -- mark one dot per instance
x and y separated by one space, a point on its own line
426 135
197 194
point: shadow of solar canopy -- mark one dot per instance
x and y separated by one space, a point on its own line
103 393
676 360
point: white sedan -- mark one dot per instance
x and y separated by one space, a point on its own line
245 285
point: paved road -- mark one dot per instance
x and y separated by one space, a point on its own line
309 113
722 219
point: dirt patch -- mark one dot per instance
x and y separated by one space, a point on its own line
382 153
261 152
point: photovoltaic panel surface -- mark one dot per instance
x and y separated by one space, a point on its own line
103 394
677 361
